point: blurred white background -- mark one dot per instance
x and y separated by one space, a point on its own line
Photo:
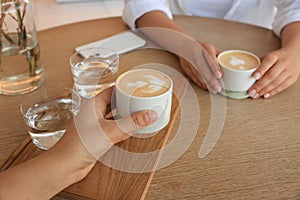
49 13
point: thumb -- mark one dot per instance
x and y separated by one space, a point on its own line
137 121
123 128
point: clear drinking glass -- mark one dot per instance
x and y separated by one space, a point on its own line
47 113
94 69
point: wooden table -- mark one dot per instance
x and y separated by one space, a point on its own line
258 153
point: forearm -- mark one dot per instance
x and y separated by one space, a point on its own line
290 37
47 174
198 59
157 26
39 178
74 155
159 19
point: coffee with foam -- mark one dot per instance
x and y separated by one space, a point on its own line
238 67
239 60
144 83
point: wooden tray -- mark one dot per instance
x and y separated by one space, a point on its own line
104 182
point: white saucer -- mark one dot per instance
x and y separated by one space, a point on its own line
235 94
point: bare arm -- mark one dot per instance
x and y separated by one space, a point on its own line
290 37
190 51
159 19
46 175
69 161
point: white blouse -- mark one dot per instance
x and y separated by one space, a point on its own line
272 14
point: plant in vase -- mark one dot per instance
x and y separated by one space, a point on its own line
20 67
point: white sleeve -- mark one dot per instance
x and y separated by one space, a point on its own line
288 11
133 9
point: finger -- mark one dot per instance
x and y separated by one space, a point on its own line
196 77
121 129
102 101
105 95
274 84
268 78
213 52
138 120
202 84
268 61
204 68
199 82
187 68
286 83
202 74
108 112
218 52
210 62
192 73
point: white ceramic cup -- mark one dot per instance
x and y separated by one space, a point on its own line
127 104
237 81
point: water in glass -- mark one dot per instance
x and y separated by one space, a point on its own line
94 69
93 77
48 120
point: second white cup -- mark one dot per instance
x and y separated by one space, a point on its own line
238 67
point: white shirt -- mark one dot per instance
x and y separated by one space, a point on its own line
271 14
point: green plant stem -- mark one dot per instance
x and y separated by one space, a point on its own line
1 33
21 34
23 38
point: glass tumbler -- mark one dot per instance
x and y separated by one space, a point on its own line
47 113
94 69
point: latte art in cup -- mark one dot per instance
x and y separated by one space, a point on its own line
145 89
239 60
144 83
238 67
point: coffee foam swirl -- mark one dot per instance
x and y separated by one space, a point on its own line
151 85
144 83
238 60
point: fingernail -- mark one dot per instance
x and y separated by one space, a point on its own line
217 88
257 75
255 96
147 117
267 95
218 74
150 116
252 93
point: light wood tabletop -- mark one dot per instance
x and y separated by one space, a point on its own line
257 155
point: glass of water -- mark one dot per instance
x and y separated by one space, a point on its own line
47 113
94 69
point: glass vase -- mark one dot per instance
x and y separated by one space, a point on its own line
21 70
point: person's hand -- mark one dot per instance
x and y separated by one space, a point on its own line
74 155
91 135
120 129
207 70
279 70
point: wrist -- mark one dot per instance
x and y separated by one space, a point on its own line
70 166
71 154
